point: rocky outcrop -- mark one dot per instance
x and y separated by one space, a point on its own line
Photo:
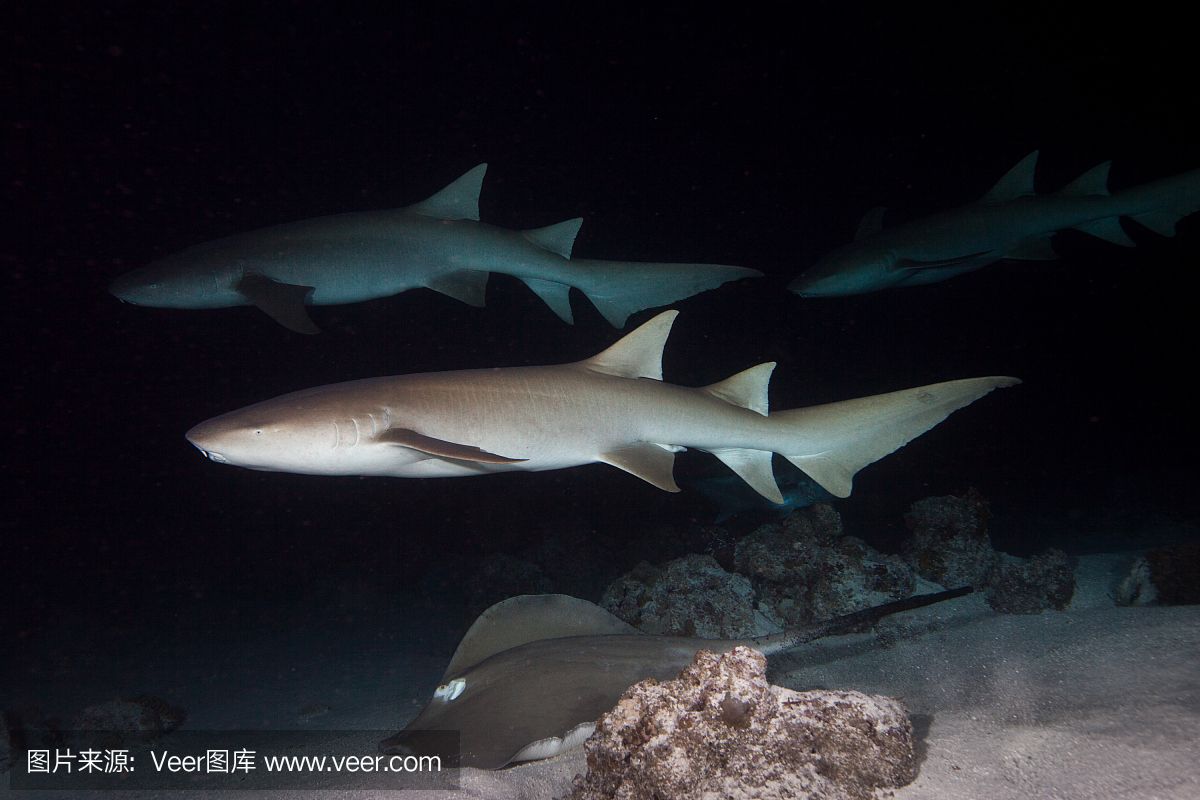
690 596
721 730
950 543
804 569
1029 586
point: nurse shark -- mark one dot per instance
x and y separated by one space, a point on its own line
1010 221
438 243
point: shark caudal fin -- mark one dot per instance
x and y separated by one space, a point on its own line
830 443
621 288
1167 201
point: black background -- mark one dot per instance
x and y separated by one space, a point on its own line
747 136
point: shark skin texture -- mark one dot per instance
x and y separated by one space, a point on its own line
438 244
1010 222
534 673
613 408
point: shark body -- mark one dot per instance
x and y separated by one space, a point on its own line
613 408
438 243
1010 222
534 673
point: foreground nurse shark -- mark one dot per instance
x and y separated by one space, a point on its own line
439 244
612 408
1010 221
535 672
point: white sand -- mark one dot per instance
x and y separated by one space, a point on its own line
1093 702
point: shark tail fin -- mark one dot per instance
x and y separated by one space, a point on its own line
830 443
621 288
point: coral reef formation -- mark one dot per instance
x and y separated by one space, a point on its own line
690 596
721 730
1019 586
805 569
1175 572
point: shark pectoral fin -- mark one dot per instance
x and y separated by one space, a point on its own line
282 302
557 238
555 295
650 462
754 467
459 200
440 448
467 285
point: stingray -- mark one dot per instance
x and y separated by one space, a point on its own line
534 673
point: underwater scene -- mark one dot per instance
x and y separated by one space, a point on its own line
624 401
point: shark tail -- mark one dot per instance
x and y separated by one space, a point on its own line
831 442
1169 201
621 288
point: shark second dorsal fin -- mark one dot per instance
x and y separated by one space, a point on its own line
557 238
459 200
747 388
639 353
1089 184
530 618
1017 182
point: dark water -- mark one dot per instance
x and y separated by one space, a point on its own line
134 130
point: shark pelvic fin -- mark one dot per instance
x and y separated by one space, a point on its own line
530 618
1089 184
282 302
555 295
638 354
1017 182
466 285
440 448
754 467
459 200
871 223
747 388
1109 229
650 462
557 238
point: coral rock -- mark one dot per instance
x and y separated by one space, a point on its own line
1175 572
805 570
720 730
690 596
1045 581
950 543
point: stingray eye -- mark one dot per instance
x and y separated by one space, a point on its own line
450 691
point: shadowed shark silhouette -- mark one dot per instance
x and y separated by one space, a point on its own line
613 408
1011 221
438 243
534 673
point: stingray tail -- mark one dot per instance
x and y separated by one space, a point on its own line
852 623
830 443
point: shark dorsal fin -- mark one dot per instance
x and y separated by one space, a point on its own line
530 618
639 353
459 200
1089 184
871 223
1017 182
557 238
747 389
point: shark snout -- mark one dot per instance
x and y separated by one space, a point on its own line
204 437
